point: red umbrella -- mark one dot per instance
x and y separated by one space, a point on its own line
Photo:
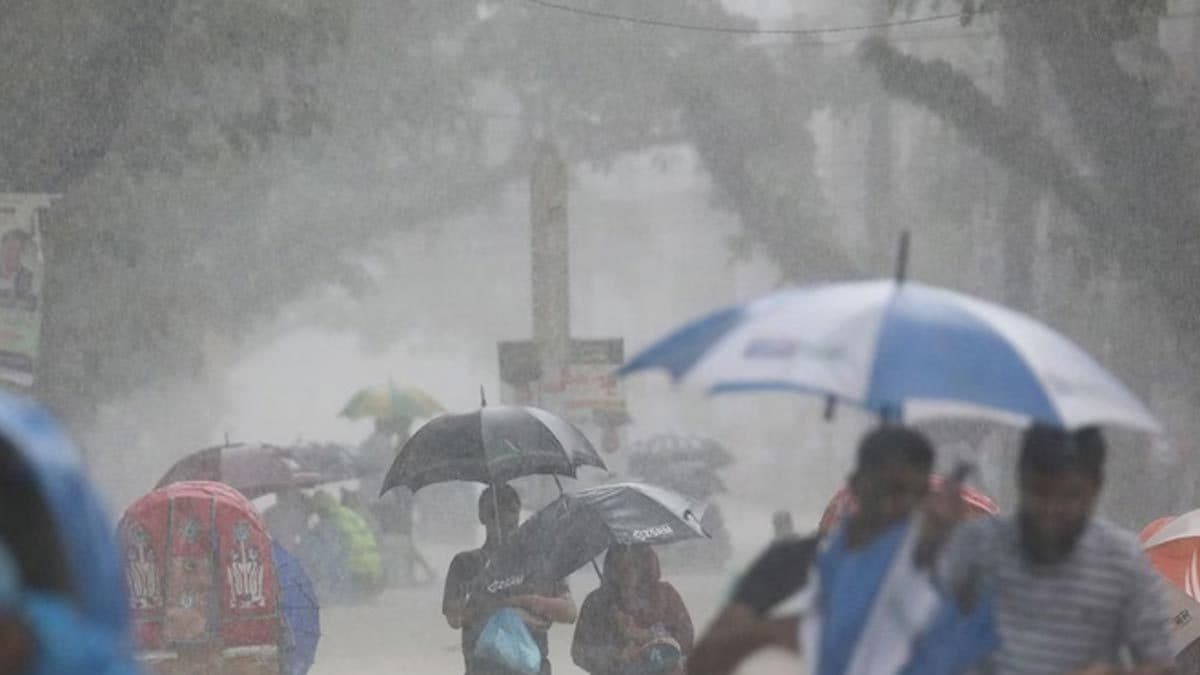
843 503
254 469
1172 544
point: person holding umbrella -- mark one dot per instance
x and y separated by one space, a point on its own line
635 620
494 445
635 623
467 606
873 608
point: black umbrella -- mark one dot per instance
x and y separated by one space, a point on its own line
668 449
694 479
575 528
332 462
491 445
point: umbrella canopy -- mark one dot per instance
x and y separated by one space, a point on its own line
301 612
692 478
575 528
1171 544
391 403
843 503
331 462
898 348
491 445
254 469
1170 529
670 448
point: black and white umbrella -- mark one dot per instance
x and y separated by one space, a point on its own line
577 527
491 445
667 449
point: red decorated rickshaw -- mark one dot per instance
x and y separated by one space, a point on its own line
202 583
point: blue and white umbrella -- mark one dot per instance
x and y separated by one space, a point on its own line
899 349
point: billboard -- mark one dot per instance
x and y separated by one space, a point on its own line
586 392
21 280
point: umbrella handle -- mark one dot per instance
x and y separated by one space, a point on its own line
496 510
927 550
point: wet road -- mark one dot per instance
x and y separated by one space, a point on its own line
403 631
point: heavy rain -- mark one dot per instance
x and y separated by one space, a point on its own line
376 336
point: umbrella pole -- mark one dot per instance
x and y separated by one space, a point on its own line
902 259
496 512
562 493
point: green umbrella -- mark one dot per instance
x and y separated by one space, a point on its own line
391 403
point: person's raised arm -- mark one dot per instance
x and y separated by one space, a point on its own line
742 628
737 633
558 608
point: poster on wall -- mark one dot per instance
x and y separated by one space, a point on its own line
21 277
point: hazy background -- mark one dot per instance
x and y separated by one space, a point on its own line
266 206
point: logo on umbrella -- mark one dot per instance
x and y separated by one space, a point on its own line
785 348
506 583
1182 619
655 532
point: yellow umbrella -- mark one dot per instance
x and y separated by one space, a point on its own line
391 403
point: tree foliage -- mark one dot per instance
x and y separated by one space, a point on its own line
1120 154
175 123
1127 169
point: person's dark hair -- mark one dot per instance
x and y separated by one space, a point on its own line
27 527
506 499
782 521
1050 450
890 445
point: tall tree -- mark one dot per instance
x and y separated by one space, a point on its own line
1123 161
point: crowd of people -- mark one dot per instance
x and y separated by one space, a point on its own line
1050 589
633 623
903 583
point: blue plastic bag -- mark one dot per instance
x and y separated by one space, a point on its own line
506 641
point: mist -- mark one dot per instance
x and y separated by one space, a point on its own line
268 208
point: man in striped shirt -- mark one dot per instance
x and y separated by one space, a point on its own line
1073 593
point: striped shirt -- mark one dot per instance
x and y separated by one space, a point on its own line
1103 601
